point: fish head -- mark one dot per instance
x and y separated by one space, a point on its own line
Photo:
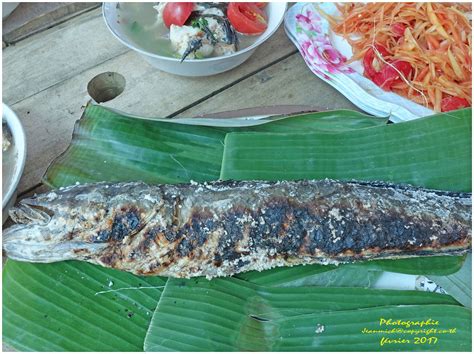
79 222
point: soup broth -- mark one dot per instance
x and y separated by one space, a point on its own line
139 22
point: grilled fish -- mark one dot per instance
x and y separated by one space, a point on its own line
224 228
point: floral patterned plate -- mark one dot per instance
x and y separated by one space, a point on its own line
326 53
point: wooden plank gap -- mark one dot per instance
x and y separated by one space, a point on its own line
58 83
233 83
28 192
45 21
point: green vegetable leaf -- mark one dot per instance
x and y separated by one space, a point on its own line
136 28
200 23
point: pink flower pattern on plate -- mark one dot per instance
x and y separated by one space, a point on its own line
316 48
309 21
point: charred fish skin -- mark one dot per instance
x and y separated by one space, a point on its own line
224 228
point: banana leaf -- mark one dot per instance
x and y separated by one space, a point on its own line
314 274
432 152
351 330
235 315
356 274
109 145
459 284
75 306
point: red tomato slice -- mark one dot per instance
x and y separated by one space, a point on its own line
398 29
373 65
382 74
260 5
370 59
451 103
247 18
389 75
176 13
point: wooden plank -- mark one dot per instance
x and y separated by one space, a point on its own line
49 115
31 18
52 56
288 82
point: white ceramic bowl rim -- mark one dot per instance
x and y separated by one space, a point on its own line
261 38
19 140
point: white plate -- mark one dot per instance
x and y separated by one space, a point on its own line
325 54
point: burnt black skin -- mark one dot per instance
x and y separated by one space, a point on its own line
302 230
123 225
284 227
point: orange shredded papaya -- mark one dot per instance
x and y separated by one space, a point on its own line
434 38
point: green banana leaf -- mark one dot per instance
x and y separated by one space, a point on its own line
108 145
112 146
432 152
315 275
75 306
459 284
235 315
342 332
356 274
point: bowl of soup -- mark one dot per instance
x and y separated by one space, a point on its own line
140 26
13 157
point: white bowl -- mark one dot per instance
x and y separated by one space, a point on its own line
11 173
196 67
8 7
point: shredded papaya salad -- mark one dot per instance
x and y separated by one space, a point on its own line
421 51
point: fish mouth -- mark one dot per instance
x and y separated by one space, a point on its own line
32 239
20 249
27 212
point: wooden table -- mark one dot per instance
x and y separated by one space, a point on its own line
45 79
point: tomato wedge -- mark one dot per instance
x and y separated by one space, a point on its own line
398 29
451 103
382 74
177 13
372 64
247 18
389 75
